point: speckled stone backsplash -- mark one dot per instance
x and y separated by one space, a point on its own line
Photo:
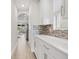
48 30
45 29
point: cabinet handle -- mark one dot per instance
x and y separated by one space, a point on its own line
61 10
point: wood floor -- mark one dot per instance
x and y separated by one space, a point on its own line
23 51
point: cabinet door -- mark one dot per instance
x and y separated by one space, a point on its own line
51 52
65 8
39 49
56 5
47 54
57 54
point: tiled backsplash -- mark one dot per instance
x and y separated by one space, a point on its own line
45 29
48 30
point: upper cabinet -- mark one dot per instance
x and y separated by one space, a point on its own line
56 6
51 10
64 9
60 6
60 14
64 15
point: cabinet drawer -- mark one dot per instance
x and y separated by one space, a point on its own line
48 51
46 46
53 53
39 49
57 53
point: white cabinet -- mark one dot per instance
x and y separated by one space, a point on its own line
38 49
57 54
56 6
43 50
47 53
53 53
60 17
64 9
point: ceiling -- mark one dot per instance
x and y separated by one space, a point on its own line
23 4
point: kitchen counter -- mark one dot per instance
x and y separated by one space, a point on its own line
59 33
59 43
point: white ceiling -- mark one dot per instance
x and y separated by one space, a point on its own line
23 4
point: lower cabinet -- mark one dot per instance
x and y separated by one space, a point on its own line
39 49
48 56
46 51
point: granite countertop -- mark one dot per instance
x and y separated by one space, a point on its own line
59 33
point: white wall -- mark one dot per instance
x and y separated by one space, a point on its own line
13 26
41 12
34 13
46 11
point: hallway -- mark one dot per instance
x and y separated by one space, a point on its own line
23 50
